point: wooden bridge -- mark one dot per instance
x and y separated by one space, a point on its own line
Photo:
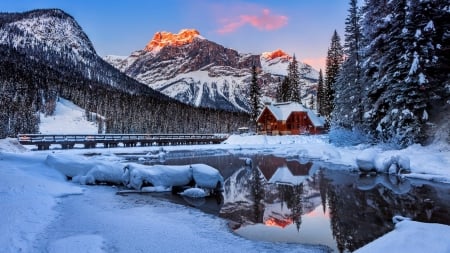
68 141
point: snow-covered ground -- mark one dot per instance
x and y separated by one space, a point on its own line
68 118
40 211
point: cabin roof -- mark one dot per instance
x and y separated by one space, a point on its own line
282 111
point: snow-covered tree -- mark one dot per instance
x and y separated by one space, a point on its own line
348 91
255 96
294 81
311 102
320 95
334 60
403 53
284 92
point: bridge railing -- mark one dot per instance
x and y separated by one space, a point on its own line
69 139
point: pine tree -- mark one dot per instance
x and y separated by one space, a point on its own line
285 92
404 62
294 81
278 93
348 88
320 94
255 97
311 102
334 61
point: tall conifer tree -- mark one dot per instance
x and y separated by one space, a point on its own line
348 88
320 95
334 60
403 64
255 96
294 81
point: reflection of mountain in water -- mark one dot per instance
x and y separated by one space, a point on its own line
360 208
270 165
251 195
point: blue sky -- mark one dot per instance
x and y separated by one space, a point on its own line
300 27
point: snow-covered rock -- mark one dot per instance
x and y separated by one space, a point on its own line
84 171
373 160
194 193
136 176
366 160
207 177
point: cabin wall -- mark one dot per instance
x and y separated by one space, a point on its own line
296 123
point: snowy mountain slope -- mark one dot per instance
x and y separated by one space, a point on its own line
54 39
47 29
67 119
196 71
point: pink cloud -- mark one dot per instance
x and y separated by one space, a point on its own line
266 22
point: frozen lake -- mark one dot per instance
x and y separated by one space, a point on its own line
287 199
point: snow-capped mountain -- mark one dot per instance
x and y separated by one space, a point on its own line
55 39
45 55
194 70
48 29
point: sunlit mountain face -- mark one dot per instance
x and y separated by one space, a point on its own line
163 39
196 71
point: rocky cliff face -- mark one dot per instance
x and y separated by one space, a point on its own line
199 72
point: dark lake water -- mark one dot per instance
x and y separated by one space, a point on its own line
301 201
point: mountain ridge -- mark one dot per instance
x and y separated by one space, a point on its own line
37 66
204 73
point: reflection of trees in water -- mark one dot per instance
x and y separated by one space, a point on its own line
291 194
342 231
360 216
257 193
323 189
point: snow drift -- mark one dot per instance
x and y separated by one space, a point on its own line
137 176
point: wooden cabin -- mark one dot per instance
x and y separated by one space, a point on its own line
289 118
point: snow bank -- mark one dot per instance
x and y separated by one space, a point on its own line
85 171
11 145
412 236
206 176
136 176
275 139
425 162
28 195
373 159
366 160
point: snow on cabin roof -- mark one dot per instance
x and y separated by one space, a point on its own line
281 111
284 176
316 120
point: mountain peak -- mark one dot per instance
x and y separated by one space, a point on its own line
162 39
275 54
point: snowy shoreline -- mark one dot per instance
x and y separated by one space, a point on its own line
36 193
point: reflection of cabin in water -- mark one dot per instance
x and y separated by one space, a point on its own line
289 118
279 170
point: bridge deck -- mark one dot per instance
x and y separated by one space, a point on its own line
67 141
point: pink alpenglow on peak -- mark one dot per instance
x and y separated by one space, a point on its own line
163 39
276 54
